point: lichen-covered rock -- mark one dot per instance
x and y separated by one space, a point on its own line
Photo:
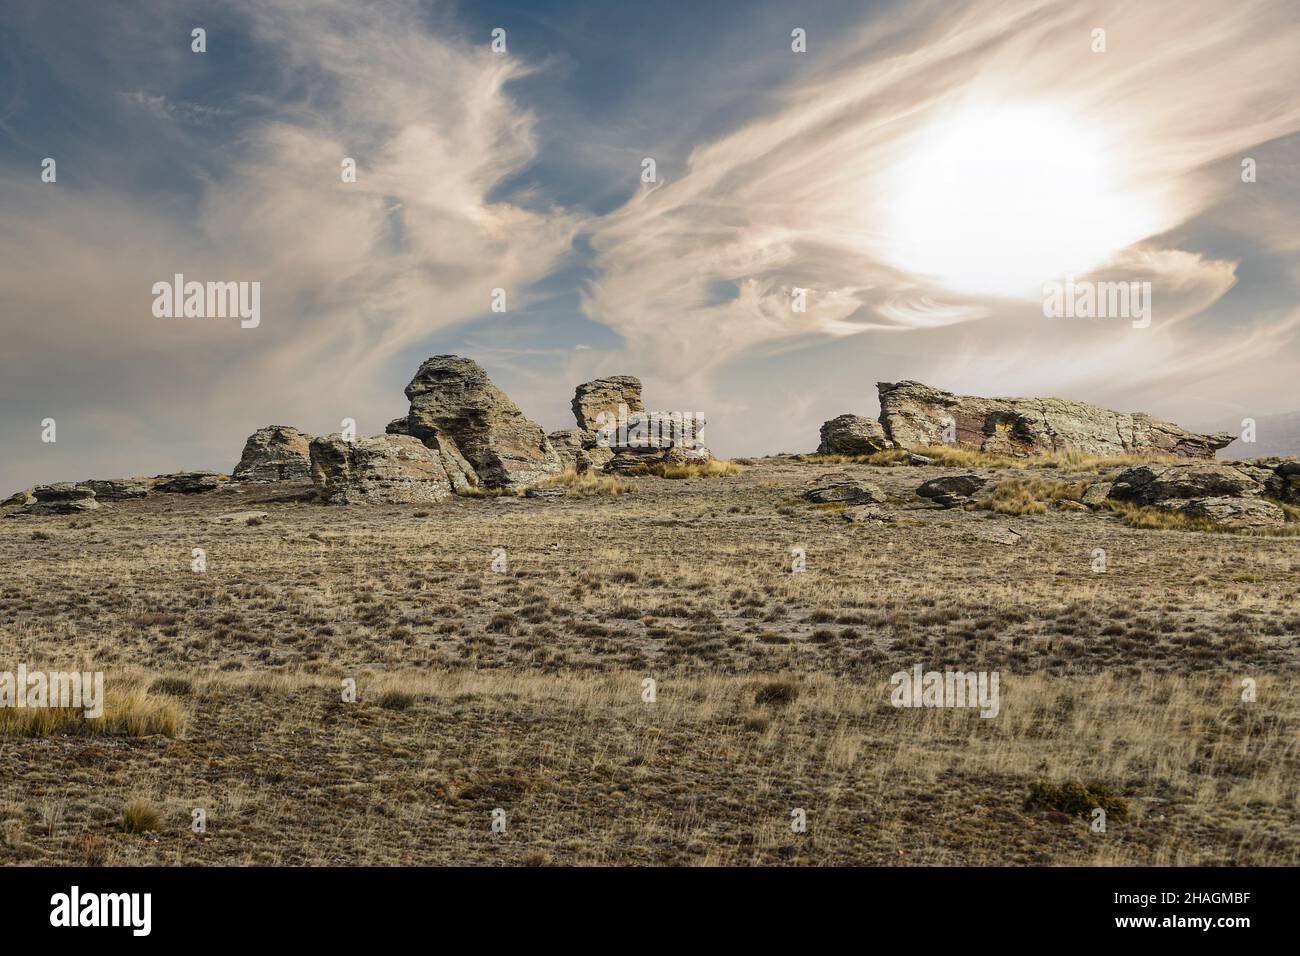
452 398
275 453
1155 484
1280 477
1234 512
117 489
605 395
384 469
398 426
915 415
852 435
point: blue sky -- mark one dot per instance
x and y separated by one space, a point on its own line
920 170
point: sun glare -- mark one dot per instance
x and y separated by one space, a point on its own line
996 202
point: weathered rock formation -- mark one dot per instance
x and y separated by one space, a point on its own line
852 435
188 483
605 395
117 489
1214 491
619 436
275 453
916 415
843 488
62 498
571 445
452 398
387 469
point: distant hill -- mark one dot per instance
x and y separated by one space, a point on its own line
1274 435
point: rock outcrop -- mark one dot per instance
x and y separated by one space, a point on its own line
117 489
275 453
915 415
1158 484
852 435
386 469
1224 493
452 398
62 498
188 483
619 436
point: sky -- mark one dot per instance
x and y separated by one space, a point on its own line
891 201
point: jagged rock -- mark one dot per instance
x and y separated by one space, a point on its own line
18 498
275 453
452 398
605 395
1096 493
915 415
387 469
1234 512
117 489
569 444
1156 484
187 483
398 426
1280 477
852 435
835 488
951 490
62 498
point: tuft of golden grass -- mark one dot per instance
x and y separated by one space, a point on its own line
1136 516
141 816
713 468
127 713
1030 496
588 485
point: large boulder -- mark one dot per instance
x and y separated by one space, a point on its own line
275 453
852 435
1156 484
62 498
1279 476
605 396
1235 512
843 488
452 398
386 469
915 415
951 490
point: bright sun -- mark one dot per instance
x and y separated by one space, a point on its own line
996 202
